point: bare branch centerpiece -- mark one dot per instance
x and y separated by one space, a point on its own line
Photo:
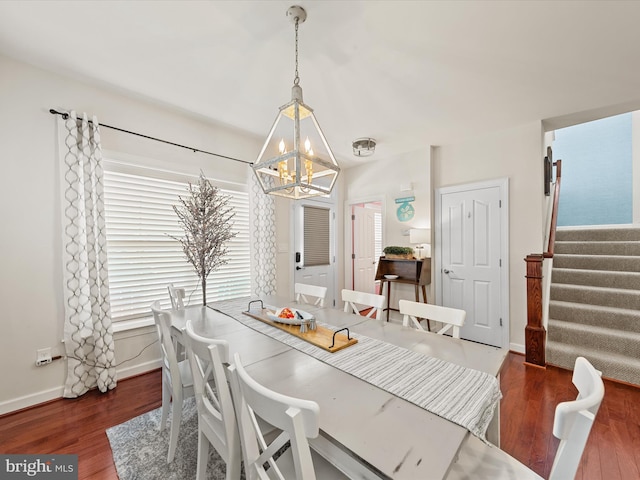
206 218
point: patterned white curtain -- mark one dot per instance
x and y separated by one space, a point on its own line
263 239
88 334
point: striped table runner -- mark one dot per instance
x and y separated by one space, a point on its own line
462 395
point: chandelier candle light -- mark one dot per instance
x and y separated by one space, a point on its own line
286 166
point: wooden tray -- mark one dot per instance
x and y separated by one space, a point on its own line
320 337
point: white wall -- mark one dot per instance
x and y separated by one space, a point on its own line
30 245
516 153
382 180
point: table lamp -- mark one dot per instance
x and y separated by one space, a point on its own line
421 237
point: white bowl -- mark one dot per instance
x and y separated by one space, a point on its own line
391 277
290 321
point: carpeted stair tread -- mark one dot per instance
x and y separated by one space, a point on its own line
610 297
597 278
594 305
629 248
597 315
593 337
612 365
621 263
613 234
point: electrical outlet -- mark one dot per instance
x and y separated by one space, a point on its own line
43 356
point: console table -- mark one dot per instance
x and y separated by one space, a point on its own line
412 271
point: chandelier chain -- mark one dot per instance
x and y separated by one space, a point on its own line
296 79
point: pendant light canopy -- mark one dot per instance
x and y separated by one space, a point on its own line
296 160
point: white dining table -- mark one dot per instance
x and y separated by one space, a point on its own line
366 430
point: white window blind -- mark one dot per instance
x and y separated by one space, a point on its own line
316 248
377 218
143 259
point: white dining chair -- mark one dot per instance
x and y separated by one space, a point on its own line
354 300
316 292
572 424
216 416
177 382
452 318
296 418
176 295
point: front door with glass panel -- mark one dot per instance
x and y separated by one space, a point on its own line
314 246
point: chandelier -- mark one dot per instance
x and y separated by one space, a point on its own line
296 160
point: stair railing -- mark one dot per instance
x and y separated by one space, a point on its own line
538 285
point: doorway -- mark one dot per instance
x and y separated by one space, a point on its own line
472 256
314 243
366 245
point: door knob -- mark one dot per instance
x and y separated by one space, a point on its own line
447 271
299 268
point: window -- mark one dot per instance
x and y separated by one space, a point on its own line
377 245
142 257
316 248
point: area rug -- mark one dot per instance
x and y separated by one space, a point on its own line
140 448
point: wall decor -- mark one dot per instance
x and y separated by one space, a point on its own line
405 211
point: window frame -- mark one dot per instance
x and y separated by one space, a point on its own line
239 247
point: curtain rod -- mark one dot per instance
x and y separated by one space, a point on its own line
65 115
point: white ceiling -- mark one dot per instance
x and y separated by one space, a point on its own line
407 73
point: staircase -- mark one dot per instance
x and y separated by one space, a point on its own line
594 307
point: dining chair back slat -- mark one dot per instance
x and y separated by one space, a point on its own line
452 318
176 295
354 300
317 293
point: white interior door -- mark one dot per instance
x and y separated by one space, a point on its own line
314 243
472 254
364 255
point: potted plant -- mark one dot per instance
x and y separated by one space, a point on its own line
398 252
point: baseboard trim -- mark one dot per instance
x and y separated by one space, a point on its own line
516 347
27 401
139 369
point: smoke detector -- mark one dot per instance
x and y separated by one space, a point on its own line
364 147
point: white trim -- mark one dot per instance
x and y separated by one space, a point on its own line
348 227
503 185
129 325
135 165
31 400
516 347
134 370
55 393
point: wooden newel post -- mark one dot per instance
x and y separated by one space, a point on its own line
535 335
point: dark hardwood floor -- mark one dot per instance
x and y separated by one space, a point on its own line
530 396
77 426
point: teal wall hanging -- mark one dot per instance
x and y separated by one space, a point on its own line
405 211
